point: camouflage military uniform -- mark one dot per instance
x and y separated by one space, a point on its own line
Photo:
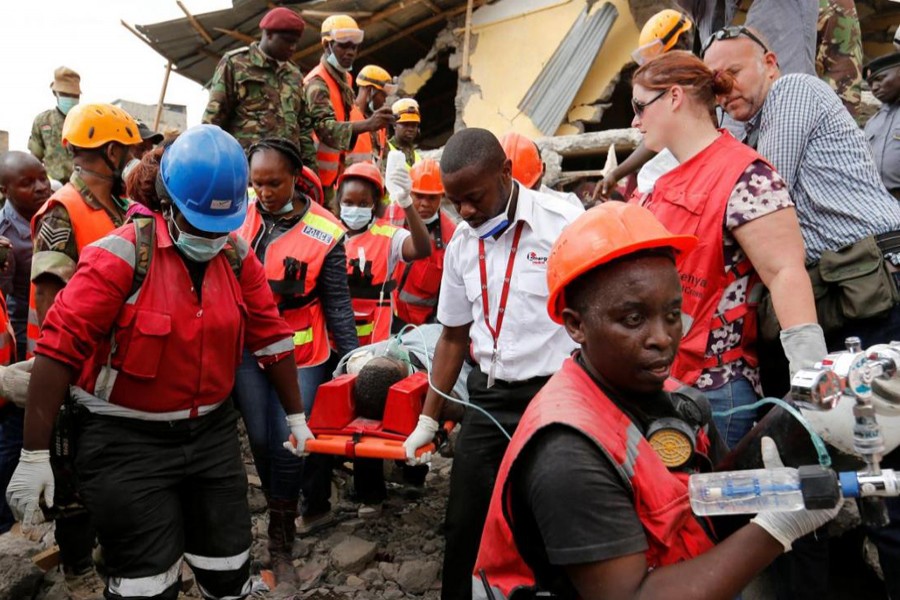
55 251
337 134
252 96
46 144
839 52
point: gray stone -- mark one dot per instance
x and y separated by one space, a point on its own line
353 554
388 570
372 576
20 577
310 573
430 547
355 583
393 594
416 576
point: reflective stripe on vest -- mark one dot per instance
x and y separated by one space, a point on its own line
692 199
370 283
661 500
88 225
330 159
307 243
419 282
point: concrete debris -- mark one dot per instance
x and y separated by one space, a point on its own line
417 576
21 578
353 554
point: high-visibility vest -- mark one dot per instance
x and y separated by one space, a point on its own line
364 150
7 340
370 283
293 262
418 282
331 160
691 199
661 499
88 224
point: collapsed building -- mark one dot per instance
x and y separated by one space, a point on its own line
557 71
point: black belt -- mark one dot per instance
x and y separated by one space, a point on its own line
889 244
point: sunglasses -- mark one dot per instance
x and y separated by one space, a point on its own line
729 33
640 107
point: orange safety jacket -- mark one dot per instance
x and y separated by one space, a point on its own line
293 262
692 199
661 499
331 160
370 285
365 150
88 224
7 340
419 282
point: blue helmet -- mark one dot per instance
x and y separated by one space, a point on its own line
205 172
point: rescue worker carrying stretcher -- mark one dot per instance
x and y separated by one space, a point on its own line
149 331
583 442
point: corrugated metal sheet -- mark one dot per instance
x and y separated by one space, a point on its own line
550 96
193 58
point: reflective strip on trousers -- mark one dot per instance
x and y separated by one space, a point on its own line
142 587
246 590
218 563
303 337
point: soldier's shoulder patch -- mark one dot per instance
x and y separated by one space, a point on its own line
317 234
55 236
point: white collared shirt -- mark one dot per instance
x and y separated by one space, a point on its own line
530 344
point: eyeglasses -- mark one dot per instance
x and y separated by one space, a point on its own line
640 107
729 33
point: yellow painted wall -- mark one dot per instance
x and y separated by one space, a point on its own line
510 54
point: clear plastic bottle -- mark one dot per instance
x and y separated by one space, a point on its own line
743 492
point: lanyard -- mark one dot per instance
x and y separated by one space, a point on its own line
504 295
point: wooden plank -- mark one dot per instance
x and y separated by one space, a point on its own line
47 559
356 14
195 23
238 35
138 35
467 37
162 97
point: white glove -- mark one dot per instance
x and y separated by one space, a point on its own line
396 178
788 526
32 478
804 346
301 432
14 382
421 435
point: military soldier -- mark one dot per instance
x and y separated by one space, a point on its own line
839 51
329 94
256 92
46 132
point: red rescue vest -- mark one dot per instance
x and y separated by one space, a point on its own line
660 496
691 199
307 243
331 160
370 287
88 224
418 282
365 149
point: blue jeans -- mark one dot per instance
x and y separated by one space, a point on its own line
11 420
255 398
735 393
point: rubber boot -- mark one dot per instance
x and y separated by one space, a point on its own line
281 539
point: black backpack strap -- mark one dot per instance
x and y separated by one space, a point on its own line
144 231
235 251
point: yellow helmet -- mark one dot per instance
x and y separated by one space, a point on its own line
341 28
93 125
376 77
660 33
406 110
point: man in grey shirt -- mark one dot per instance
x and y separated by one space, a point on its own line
883 129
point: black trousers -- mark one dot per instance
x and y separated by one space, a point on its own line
160 491
479 450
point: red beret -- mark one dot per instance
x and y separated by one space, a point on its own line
282 19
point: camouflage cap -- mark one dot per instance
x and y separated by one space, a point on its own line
67 81
882 63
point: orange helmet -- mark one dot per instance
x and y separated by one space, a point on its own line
601 235
426 177
364 170
527 166
310 184
93 125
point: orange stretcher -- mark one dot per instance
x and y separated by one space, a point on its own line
340 432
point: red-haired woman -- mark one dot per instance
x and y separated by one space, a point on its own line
739 207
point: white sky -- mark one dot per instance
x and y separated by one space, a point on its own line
36 36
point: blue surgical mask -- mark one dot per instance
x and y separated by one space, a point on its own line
356 217
497 223
284 209
65 104
195 247
333 61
